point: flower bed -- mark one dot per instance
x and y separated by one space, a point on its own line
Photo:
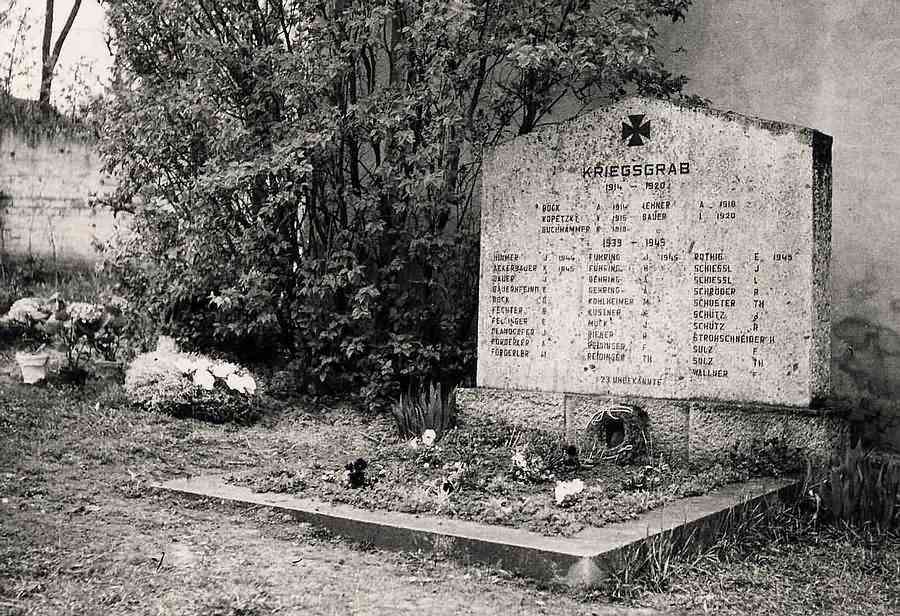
83 332
483 470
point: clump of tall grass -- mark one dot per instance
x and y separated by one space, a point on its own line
861 489
425 407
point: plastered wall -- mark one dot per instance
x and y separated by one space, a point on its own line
45 183
833 65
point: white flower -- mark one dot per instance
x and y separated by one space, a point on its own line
186 365
428 437
85 313
567 489
519 461
241 384
223 369
204 379
202 363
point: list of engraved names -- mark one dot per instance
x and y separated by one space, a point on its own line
645 276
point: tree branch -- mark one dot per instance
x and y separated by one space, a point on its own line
57 48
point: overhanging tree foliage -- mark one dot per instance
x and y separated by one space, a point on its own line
307 171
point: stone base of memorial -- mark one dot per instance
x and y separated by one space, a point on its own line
684 430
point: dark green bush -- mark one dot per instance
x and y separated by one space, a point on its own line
304 176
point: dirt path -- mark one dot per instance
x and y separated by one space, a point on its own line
105 559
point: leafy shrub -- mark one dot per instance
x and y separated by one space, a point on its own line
861 490
315 195
190 385
426 409
181 285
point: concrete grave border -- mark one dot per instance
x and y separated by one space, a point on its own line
584 559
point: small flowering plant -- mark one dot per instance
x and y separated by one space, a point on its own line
526 466
354 475
426 441
79 329
566 492
87 328
107 339
27 320
455 475
32 336
429 437
75 326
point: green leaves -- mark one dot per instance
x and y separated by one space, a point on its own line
425 408
316 164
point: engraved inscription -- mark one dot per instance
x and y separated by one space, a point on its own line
679 269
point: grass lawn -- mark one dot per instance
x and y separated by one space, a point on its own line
82 533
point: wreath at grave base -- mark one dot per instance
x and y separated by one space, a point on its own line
623 430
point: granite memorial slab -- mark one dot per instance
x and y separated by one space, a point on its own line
657 250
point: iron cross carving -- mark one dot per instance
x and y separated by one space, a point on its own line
635 130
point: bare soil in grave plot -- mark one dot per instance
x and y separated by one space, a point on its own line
81 533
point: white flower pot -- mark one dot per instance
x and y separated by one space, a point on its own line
33 366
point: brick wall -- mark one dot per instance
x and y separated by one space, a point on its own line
45 184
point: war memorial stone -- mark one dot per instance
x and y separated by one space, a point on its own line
656 251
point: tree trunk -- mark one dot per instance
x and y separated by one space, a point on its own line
50 57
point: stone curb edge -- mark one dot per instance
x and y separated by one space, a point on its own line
584 560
